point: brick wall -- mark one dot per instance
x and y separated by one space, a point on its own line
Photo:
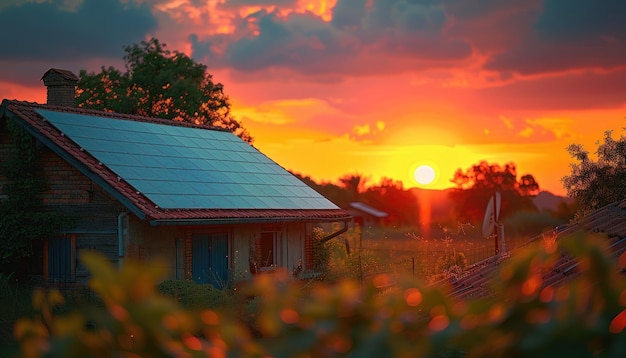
71 193
4 153
64 184
62 95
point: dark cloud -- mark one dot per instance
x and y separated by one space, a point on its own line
95 28
237 3
569 34
491 26
349 13
576 20
361 38
574 92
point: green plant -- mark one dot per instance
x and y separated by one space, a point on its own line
321 251
384 316
22 217
14 299
452 261
596 183
191 295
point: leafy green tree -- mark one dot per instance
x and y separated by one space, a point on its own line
596 183
478 183
162 84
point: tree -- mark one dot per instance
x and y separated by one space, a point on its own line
595 184
162 84
476 185
354 184
335 193
391 197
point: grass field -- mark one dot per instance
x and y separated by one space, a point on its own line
402 251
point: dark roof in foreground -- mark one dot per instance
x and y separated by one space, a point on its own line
172 172
609 220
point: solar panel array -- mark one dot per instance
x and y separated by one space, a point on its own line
187 168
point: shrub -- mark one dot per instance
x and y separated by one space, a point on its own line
385 316
191 295
451 259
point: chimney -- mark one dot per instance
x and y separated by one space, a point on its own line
61 87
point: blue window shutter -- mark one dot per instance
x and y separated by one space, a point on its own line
219 260
210 259
60 259
200 259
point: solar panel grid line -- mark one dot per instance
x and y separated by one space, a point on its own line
241 157
266 179
245 202
235 167
287 203
249 189
269 202
291 191
233 177
269 190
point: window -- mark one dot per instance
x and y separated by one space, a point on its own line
267 250
60 259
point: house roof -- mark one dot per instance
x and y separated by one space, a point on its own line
610 220
364 208
173 172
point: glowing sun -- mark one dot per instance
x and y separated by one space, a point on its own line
424 174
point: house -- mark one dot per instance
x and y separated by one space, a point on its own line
215 208
365 215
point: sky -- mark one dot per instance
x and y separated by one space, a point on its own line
370 87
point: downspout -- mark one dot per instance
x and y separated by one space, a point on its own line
122 232
335 234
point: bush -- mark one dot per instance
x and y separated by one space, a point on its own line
191 295
386 316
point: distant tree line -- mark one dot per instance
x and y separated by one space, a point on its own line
475 185
467 200
388 195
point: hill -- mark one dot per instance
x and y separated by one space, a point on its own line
545 200
441 206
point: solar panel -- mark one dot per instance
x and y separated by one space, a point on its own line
187 168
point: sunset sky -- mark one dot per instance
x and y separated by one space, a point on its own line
378 87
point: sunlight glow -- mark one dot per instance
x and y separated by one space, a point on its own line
424 174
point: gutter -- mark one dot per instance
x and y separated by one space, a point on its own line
336 233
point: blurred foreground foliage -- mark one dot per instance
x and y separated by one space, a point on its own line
389 316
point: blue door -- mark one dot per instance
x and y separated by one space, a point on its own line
210 259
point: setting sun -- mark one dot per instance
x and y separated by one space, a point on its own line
424 174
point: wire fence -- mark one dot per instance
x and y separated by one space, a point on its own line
424 261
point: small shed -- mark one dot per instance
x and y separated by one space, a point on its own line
365 215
